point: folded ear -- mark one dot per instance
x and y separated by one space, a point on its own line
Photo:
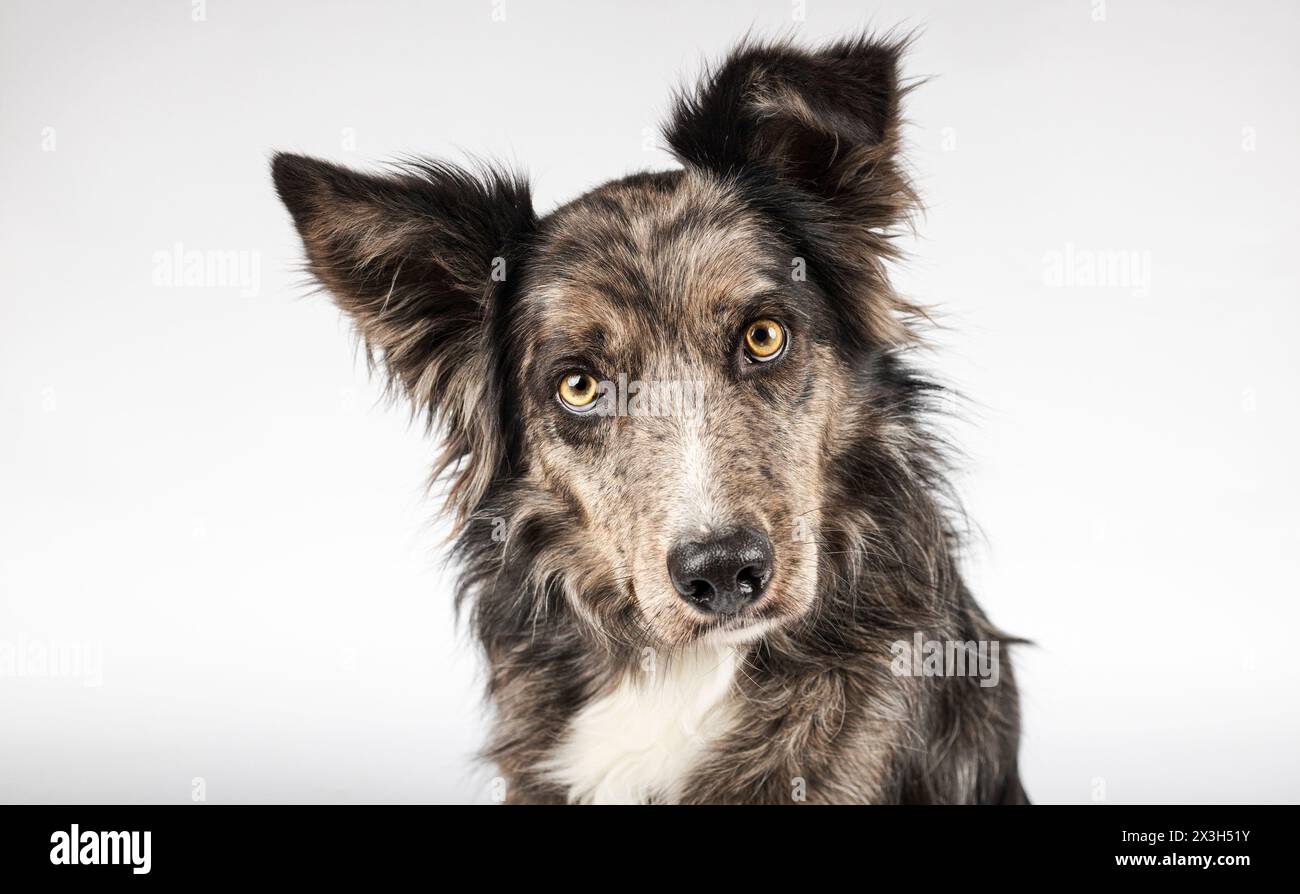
822 126
422 260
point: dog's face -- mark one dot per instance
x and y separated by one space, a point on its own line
678 389
664 373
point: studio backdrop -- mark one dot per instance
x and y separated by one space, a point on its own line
222 578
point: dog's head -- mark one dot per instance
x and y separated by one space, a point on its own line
647 396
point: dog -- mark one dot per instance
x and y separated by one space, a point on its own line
701 520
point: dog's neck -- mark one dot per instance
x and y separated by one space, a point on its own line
637 741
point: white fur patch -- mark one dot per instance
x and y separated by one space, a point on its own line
699 501
641 740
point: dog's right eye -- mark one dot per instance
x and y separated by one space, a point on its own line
578 392
764 340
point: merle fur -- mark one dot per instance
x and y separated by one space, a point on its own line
809 139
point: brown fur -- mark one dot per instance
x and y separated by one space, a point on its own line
790 162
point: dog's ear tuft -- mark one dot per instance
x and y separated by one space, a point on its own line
822 124
422 260
815 117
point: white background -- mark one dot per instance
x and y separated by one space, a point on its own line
202 483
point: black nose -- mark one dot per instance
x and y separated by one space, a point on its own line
723 572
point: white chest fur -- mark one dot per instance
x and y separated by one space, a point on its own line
639 741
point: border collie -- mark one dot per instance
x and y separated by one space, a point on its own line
703 528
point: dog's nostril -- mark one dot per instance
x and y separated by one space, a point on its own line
724 571
749 578
701 591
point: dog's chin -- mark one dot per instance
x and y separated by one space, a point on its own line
747 627
737 632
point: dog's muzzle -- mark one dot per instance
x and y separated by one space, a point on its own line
722 572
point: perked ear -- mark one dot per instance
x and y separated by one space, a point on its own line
822 125
421 259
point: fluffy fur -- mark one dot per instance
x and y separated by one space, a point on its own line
606 685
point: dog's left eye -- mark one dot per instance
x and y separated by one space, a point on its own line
764 340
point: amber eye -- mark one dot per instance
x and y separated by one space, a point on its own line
578 391
764 340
